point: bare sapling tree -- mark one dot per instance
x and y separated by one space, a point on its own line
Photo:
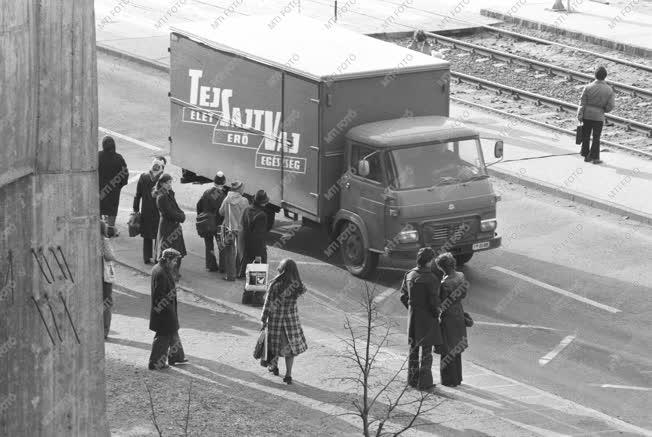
184 425
386 404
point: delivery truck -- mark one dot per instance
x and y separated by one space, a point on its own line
342 130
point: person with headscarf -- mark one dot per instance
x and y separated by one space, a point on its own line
149 216
164 315
255 226
452 290
232 209
420 296
280 315
113 175
210 203
170 234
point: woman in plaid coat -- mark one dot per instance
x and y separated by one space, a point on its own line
281 317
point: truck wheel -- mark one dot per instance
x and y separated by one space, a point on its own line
463 259
357 259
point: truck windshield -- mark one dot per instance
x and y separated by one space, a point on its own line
436 164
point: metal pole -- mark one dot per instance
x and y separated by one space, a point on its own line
335 6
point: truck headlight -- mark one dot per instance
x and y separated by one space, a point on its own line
488 225
411 236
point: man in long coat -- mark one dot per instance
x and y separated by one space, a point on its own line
164 317
255 226
420 296
210 203
149 216
114 175
232 209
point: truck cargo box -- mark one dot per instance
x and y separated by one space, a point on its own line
268 101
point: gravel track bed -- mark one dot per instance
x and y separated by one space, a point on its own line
567 58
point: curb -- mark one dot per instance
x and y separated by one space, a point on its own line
586 37
132 57
501 174
571 195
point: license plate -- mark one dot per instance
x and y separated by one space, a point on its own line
480 246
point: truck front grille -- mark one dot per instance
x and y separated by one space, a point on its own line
438 233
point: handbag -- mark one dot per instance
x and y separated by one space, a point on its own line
468 320
134 223
261 344
109 272
206 224
578 134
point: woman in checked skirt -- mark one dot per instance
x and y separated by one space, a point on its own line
281 317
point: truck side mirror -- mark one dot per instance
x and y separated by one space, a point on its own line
363 168
498 149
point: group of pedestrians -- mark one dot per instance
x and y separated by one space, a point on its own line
436 318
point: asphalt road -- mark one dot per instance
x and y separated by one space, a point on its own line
520 294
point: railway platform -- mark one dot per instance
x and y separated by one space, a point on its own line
535 156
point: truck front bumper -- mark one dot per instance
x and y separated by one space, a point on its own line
410 251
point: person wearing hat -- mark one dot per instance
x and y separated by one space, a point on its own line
149 216
210 203
113 175
170 234
232 209
420 296
255 226
164 316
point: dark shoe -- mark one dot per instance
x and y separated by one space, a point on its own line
226 278
273 370
209 269
597 161
163 367
177 363
148 261
587 159
287 380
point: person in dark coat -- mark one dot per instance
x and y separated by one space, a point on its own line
420 295
452 290
281 316
255 226
149 216
114 175
164 316
210 202
597 99
170 234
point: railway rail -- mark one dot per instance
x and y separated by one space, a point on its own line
548 101
532 63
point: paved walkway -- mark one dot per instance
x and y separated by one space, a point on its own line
486 404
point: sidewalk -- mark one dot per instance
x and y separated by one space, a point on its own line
219 333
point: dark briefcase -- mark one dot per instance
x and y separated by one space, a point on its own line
578 134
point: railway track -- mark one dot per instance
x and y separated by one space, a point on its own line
533 64
539 99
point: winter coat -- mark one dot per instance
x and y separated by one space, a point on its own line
451 292
170 233
597 98
282 316
163 317
233 206
420 295
108 256
211 201
149 216
255 226
114 175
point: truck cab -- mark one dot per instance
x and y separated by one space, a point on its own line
414 182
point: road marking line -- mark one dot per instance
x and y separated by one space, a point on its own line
553 353
624 387
131 140
558 290
126 294
384 295
515 325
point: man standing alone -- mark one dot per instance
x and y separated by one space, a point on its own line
597 99
114 175
164 319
